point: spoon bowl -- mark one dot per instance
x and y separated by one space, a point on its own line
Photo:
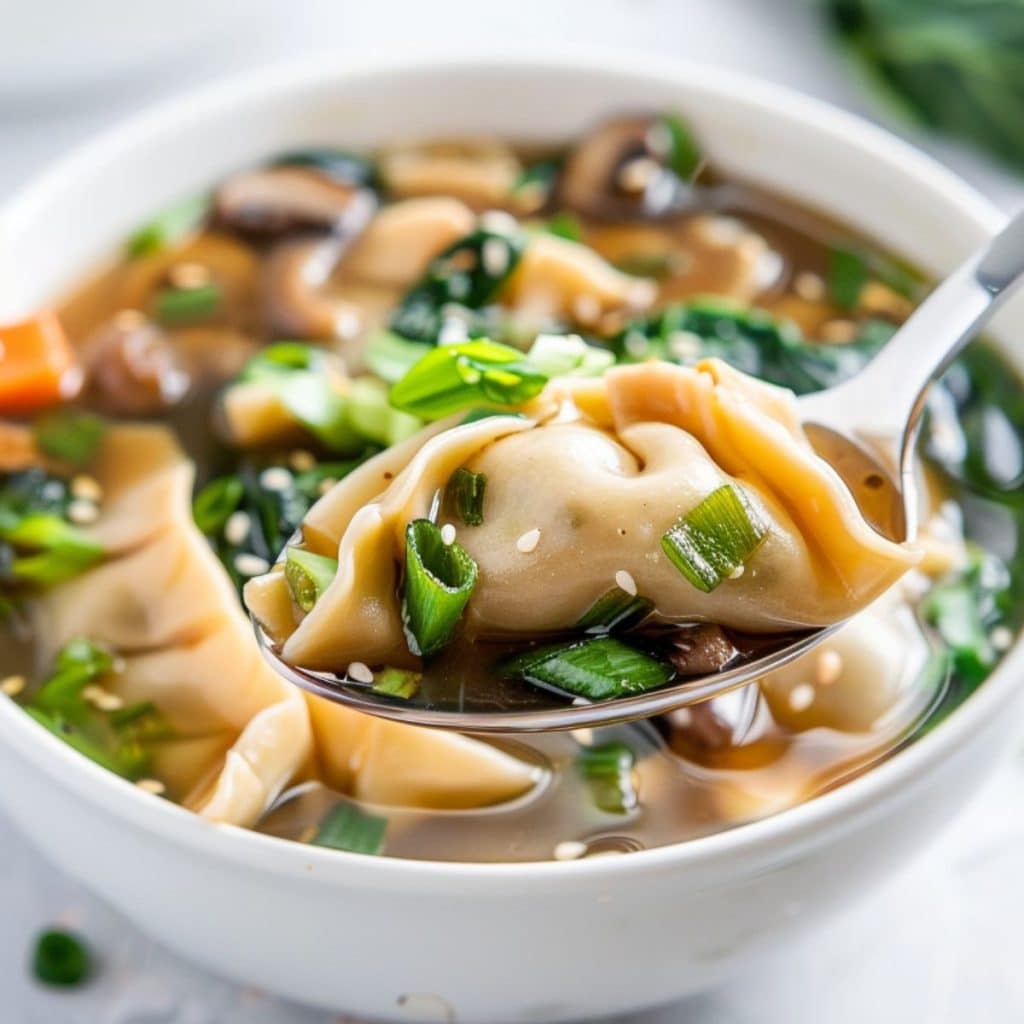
853 426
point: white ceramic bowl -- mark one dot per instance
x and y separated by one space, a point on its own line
530 942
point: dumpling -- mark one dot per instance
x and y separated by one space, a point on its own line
593 477
239 733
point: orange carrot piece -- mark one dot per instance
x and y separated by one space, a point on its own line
37 365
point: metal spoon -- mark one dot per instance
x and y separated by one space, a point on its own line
850 425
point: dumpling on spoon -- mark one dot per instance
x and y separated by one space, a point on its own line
692 489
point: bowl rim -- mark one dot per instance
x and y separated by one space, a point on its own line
786 829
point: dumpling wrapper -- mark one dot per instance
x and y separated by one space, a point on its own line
166 606
602 479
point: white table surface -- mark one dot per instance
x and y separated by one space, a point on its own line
939 945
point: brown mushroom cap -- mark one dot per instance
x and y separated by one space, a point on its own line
281 200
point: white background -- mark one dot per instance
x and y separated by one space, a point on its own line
939 945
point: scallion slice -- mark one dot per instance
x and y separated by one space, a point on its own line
178 306
565 225
347 827
465 494
713 541
216 502
308 575
397 682
608 770
568 356
60 958
598 669
391 357
371 416
615 610
171 226
71 436
51 549
682 154
439 579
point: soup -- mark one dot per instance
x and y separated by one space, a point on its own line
413 403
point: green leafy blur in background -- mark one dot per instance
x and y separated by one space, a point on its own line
950 66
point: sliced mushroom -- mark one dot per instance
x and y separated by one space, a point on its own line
281 200
701 650
562 281
402 239
132 368
619 171
481 172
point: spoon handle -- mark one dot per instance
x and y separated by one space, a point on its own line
886 399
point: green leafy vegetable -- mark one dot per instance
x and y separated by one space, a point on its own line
608 770
615 610
598 668
752 340
964 608
568 355
169 227
851 267
61 958
347 827
397 682
308 575
714 540
682 154
949 66
465 494
468 275
454 377
215 503
179 306
565 225
71 436
439 580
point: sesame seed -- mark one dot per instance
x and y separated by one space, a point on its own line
276 478
801 697
495 257
153 786
248 564
300 460
737 572
585 737
237 528
87 488
82 512
625 582
637 174
828 668
448 534
13 685
499 222
529 541
810 287
571 849
326 485
360 672
1001 638
101 698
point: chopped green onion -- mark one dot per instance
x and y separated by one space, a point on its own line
78 663
682 154
597 669
439 579
55 550
347 827
308 575
454 377
608 769
391 357
397 682
846 275
60 958
216 502
538 182
648 264
615 610
565 225
712 541
371 416
465 494
177 306
71 436
169 227
568 355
